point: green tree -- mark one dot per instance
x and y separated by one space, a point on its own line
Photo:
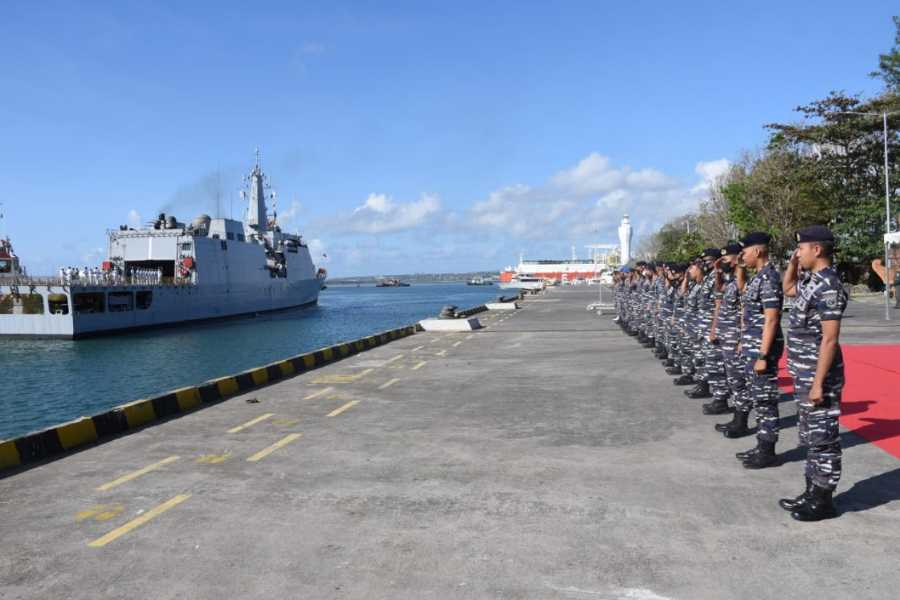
889 63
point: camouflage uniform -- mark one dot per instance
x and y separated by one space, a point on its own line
728 331
689 335
709 355
631 291
646 311
659 296
618 293
666 306
820 297
762 292
676 337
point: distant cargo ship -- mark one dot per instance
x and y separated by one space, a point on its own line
533 274
165 274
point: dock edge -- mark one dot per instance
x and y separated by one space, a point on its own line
53 442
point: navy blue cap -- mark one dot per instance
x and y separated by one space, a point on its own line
814 233
731 248
756 237
710 253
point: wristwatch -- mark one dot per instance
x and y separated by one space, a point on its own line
763 356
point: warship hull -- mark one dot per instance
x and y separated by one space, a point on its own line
167 274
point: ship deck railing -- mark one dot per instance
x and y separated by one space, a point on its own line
123 282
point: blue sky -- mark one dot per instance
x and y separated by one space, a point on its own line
401 137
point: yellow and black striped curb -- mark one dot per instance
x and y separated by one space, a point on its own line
58 440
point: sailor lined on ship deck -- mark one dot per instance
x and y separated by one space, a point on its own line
540 457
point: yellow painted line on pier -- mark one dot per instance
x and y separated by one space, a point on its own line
250 423
387 384
341 409
441 353
419 365
135 523
100 512
456 344
341 378
321 392
470 336
135 474
417 348
212 459
279 444
394 359
437 339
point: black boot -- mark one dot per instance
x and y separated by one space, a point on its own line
649 342
719 406
738 428
791 504
668 362
732 423
763 457
686 379
745 454
701 390
818 507
673 370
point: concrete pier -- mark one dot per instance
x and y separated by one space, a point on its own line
545 455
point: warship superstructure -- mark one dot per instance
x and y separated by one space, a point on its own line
167 273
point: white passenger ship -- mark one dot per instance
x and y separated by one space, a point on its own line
165 274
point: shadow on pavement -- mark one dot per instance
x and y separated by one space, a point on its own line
871 493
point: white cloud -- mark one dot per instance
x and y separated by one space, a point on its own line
381 214
134 218
287 216
587 201
709 172
581 204
595 174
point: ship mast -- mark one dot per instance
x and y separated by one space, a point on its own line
256 207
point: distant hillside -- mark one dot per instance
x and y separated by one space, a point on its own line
415 278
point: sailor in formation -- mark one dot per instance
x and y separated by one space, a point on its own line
716 325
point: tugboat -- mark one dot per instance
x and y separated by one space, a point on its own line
391 282
168 273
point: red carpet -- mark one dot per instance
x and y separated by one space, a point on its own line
871 402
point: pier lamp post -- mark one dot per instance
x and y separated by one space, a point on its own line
887 205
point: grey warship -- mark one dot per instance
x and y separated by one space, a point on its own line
165 274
